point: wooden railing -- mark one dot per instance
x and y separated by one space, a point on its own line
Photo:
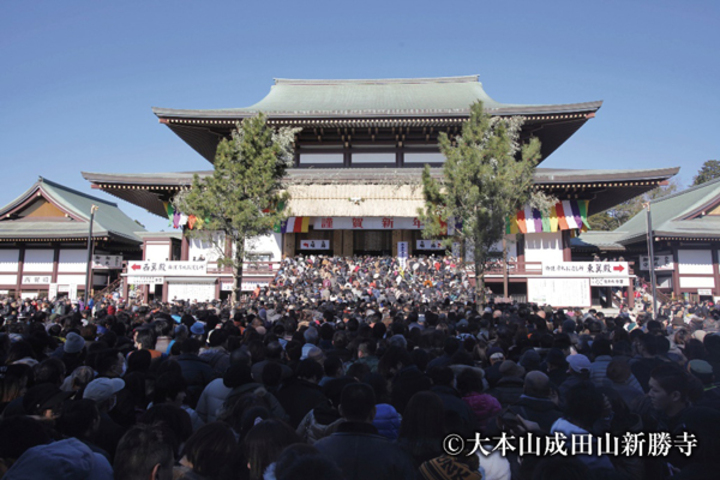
109 289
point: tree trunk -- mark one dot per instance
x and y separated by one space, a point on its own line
505 268
479 282
238 271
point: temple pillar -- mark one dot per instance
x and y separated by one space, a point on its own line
337 242
289 244
348 243
396 237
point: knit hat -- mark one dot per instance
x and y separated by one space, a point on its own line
511 369
101 389
74 343
568 326
578 363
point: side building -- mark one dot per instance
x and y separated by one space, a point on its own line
355 185
686 235
44 238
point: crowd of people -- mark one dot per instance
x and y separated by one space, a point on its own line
354 369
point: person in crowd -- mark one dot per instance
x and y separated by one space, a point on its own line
357 440
145 452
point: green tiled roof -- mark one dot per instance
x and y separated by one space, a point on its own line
670 217
669 214
109 219
405 97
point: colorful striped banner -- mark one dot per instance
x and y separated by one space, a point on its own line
295 225
564 215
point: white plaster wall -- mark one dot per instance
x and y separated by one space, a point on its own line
9 260
157 252
38 260
544 247
695 261
697 282
207 249
8 279
202 292
72 261
71 279
270 244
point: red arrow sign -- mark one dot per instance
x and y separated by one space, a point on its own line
135 266
305 244
619 268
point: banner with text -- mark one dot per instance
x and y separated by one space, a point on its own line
586 269
367 223
172 267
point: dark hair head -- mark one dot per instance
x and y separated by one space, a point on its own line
309 369
584 405
672 378
332 365
141 449
168 386
357 402
470 380
175 418
423 417
77 418
212 450
601 346
190 345
264 443
441 375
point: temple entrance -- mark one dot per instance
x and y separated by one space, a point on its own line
372 242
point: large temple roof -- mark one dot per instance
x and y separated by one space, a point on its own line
409 103
412 97
604 188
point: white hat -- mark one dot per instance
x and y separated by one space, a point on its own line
101 389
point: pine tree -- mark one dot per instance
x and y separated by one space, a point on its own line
487 176
239 201
709 171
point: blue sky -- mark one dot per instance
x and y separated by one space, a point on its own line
79 78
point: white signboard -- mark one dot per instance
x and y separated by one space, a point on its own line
36 279
705 292
560 292
249 285
609 282
662 262
367 223
72 291
144 280
429 245
402 249
315 245
112 262
586 269
53 291
167 268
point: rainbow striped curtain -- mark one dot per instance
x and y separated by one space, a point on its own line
293 224
564 215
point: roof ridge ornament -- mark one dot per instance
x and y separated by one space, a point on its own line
379 81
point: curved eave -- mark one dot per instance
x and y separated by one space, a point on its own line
231 116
